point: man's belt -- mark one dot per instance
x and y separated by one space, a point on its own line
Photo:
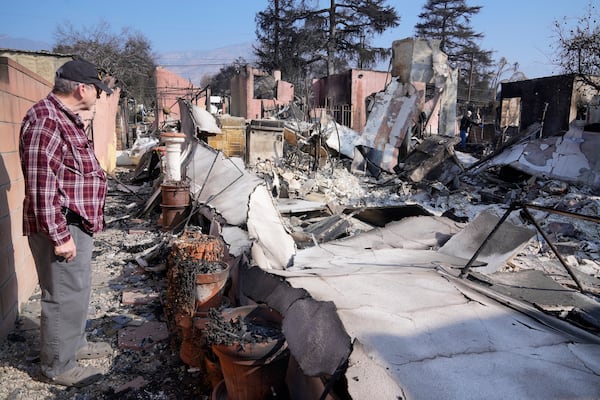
74 219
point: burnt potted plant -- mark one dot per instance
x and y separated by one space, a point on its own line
252 352
196 281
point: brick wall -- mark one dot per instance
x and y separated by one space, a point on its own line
19 89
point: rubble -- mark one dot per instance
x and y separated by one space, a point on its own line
570 157
126 310
401 267
386 221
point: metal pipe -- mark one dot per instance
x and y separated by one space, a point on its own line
465 270
565 213
197 197
554 249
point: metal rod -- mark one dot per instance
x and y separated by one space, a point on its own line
210 198
554 249
197 197
565 213
465 270
212 165
123 185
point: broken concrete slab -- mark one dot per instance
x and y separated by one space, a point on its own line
415 233
420 332
535 287
367 375
507 241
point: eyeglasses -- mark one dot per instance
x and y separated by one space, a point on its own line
98 90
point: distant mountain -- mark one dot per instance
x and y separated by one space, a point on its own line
195 64
192 64
13 43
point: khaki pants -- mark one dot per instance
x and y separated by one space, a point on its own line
66 288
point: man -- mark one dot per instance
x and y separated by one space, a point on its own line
465 128
65 189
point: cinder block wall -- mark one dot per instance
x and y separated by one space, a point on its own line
19 89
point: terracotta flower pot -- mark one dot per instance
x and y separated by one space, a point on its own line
254 371
209 287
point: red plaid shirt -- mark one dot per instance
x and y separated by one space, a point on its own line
60 170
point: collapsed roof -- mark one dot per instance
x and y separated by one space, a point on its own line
442 302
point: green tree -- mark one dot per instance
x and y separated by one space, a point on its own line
302 35
127 56
449 22
578 48
281 42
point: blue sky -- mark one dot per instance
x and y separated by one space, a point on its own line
519 30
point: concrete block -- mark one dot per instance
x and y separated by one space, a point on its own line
144 336
135 297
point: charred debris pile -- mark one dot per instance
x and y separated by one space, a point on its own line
320 195
295 192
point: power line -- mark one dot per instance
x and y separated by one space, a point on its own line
194 65
198 58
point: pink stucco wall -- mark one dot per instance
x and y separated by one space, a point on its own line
243 103
350 88
104 129
20 88
364 84
170 87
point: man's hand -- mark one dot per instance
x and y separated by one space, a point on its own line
67 250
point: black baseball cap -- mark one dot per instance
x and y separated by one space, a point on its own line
82 71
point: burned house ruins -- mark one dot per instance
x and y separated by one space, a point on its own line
383 261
